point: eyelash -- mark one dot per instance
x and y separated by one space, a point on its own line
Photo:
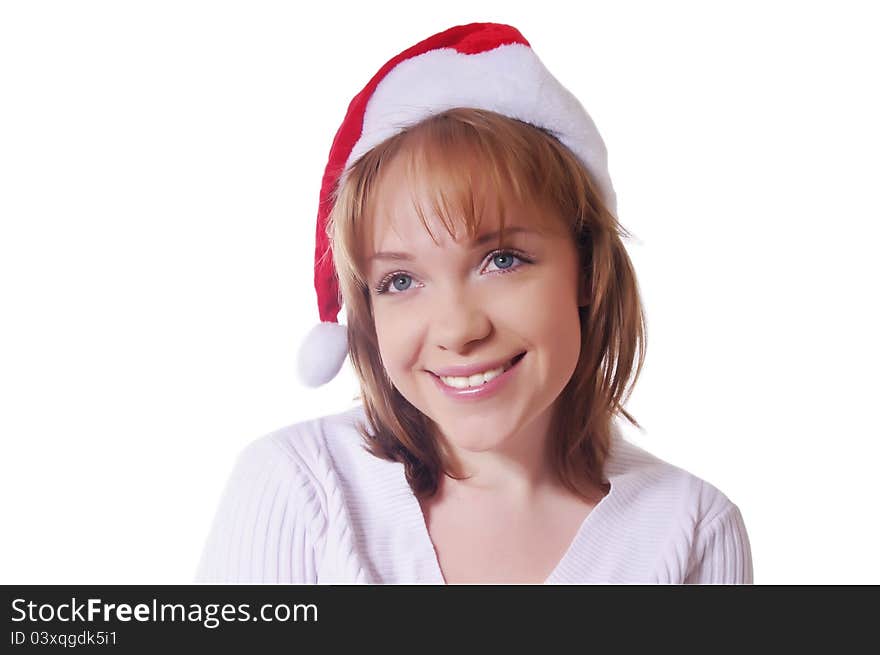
383 285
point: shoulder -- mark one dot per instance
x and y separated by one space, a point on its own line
298 453
306 449
687 526
271 521
655 485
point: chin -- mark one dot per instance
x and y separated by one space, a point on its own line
477 435
476 443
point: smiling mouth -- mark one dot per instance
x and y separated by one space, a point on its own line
509 365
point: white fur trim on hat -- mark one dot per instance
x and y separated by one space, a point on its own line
509 80
322 353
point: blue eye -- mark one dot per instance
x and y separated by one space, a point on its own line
394 283
400 282
398 278
503 260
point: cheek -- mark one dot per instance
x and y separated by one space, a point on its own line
397 341
557 326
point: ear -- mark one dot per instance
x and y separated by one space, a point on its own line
583 292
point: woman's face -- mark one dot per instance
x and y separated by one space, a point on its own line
463 303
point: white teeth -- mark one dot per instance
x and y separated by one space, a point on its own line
473 380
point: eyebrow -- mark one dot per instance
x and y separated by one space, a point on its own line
479 241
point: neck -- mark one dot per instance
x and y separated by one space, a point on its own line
519 470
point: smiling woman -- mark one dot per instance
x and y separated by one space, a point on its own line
495 325
478 347
498 226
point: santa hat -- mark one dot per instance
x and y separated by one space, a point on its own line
480 65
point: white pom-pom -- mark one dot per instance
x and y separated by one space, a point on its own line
322 353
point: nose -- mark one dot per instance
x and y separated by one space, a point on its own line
459 320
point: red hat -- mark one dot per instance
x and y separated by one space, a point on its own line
480 65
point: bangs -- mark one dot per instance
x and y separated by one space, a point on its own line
457 165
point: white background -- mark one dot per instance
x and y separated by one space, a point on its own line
160 164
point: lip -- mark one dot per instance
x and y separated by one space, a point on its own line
483 391
472 369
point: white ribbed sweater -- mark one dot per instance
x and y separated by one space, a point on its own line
308 504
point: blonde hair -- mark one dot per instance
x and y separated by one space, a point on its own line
534 167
